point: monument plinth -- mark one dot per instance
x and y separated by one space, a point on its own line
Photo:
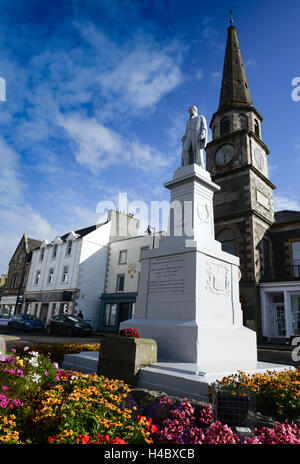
188 298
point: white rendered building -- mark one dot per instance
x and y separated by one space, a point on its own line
122 279
68 274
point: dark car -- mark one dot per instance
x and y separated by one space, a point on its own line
68 324
25 322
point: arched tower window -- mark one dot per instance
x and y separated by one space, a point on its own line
224 125
256 127
227 239
214 131
243 120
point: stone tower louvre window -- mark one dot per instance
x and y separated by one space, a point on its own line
225 125
256 128
243 121
227 239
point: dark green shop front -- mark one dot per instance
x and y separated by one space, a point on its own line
114 309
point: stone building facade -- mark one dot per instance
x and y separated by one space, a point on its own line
13 292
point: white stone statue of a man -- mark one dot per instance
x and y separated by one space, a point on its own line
195 139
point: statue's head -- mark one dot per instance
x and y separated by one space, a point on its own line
193 110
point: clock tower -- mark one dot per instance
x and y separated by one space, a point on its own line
237 161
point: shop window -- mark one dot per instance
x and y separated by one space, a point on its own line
295 314
110 314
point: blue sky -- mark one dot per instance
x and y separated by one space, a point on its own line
97 93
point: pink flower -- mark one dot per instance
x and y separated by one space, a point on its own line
3 404
4 388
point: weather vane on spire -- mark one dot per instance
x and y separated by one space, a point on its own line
231 19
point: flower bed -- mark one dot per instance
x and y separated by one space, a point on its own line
276 392
57 352
41 403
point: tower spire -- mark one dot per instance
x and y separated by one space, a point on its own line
234 89
231 18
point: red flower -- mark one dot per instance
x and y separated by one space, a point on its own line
127 332
118 441
51 439
84 439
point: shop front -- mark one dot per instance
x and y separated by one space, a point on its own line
7 306
280 305
114 309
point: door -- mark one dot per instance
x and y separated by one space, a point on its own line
123 312
277 321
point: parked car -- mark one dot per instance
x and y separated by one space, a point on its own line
25 322
68 324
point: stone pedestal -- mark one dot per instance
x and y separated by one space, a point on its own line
188 298
123 357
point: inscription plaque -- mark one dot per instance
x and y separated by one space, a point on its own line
167 275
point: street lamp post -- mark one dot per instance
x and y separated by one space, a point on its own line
149 228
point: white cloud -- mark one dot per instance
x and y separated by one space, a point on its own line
97 147
139 73
282 203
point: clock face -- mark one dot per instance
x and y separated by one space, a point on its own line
258 158
224 154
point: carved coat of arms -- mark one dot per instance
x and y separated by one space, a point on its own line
217 278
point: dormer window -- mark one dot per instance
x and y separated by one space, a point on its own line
54 251
224 125
42 252
69 247
256 128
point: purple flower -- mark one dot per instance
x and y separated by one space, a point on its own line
17 402
5 388
3 404
46 373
